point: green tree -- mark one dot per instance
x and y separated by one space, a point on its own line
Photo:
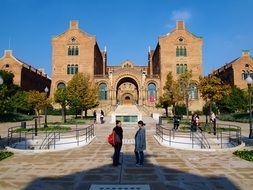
83 94
7 90
184 83
166 99
213 90
38 101
237 101
172 94
61 97
19 102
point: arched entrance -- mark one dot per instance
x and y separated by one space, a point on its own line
127 91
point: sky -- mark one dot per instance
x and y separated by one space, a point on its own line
126 27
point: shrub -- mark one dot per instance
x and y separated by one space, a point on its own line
244 154
13 117
236 117
5 154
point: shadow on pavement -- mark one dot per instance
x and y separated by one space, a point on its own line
158 177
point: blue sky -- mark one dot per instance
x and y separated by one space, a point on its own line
126 27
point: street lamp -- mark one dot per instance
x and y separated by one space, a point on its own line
249 82
1 80
46 91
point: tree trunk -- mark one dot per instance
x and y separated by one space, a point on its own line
187 108
210 108
82 113
166 111
63 113
76 113
85 112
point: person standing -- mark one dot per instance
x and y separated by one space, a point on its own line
140 144
95 116
213 120
102 116
118 136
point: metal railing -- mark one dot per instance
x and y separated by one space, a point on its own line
48 140
226 136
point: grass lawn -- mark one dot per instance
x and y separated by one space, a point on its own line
42 129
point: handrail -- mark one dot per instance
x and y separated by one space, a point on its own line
226 136
49 139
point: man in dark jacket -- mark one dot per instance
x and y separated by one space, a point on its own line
118 142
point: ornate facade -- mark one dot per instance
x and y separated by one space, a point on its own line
76 51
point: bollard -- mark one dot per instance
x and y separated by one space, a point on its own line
23 124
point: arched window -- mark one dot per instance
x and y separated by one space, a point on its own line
68 69
69 51
76 51
76 69
177 52
152 92
243 75
103 91
193 92
72 69
185 52
178 69
61 85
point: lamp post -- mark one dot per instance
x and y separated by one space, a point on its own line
46 91
1 80
249 82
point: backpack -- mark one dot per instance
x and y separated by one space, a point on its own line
110 139
113 139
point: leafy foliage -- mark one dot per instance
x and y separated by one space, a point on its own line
7 90
82 93
236 102
61 97
184 81
13 117
244 154
212 89
5 154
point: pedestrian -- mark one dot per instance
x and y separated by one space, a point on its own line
102 116
118 134
95 116
213 121
195 122
140 144
176 120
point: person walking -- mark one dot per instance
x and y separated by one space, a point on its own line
140 144
118 136
102 116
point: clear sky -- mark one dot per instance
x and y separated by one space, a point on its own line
126 27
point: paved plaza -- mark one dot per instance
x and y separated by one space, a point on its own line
165 168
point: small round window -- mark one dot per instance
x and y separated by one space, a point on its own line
180 39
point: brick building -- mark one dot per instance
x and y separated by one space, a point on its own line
25 76
236 72
76 51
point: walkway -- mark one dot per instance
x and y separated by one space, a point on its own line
165 168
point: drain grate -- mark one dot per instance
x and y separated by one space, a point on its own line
119 187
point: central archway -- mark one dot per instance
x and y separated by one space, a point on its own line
127 91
